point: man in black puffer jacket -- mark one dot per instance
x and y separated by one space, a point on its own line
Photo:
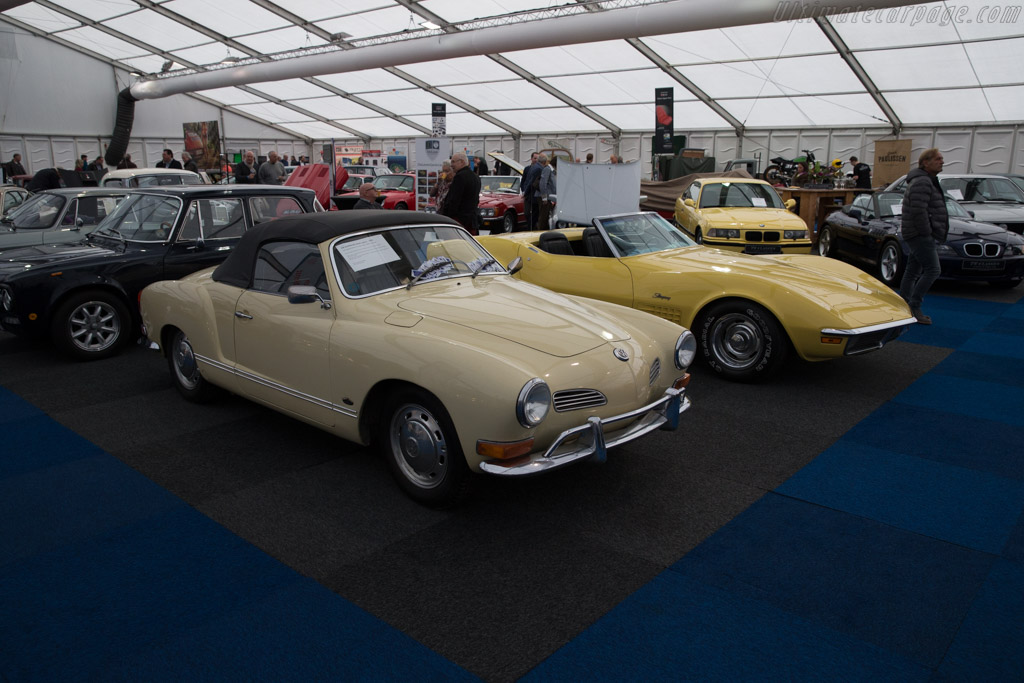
925 224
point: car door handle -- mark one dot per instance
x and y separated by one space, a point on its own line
244 316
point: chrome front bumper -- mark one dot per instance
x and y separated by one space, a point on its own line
871 338
588 441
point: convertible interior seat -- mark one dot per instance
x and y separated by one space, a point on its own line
594 244
555 242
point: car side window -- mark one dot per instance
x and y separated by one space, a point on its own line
268 208
11 200
213 219
279 265
693 191
862 202
69 216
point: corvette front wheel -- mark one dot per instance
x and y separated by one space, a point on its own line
423 451
742 341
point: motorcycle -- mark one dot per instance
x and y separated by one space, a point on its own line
799 171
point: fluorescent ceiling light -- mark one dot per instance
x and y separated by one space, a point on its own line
429 24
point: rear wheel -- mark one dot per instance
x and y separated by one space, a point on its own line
422 449
742 341
890 263
772 174
185 370
91 325
825 242
401 206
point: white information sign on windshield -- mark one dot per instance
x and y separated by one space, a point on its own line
759 201
956 194
367 252
897 209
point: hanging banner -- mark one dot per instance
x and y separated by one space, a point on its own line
438 119
892 161
663 98
347 154
202 142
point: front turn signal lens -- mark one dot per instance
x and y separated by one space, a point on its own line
831 340
504 451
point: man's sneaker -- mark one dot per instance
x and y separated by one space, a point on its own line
921 317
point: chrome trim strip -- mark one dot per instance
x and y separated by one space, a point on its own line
869 329
590 441
319 402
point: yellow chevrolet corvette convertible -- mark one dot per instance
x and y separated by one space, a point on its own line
396 328
747 311
741 214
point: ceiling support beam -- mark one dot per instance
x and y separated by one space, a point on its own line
851 60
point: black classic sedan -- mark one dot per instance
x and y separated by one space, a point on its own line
868 231
85 296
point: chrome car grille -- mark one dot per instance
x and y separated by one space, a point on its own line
979 249
762 235
577 399
655 370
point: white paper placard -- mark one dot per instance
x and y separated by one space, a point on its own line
897 209
759 201
367 252
956 194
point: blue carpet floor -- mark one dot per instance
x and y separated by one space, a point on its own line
897 554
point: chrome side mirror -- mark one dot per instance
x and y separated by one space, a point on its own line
306 294
515 266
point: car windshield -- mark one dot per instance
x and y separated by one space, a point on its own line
500 183
166 179
370 263
393 182
354 182
739 195
39 211
982 190
642 233
891 204
142 218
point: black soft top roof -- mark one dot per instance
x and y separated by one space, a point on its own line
312 228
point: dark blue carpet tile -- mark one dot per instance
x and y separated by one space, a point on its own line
676 628
78 499
301 632
70 612
986 400
14 408
974 509
901 591
936 335
970 442
990 645
1007 346
1005 324
982 366
37 442
961 305
1014 549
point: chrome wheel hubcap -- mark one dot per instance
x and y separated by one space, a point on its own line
419 445
185 366
737 341
824 242
889 263
94 326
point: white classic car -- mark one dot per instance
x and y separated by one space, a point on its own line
396 328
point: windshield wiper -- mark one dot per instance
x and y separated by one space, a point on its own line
113 232
487 262
426 271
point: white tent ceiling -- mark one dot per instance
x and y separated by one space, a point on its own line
925 64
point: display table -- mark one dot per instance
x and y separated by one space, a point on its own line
814 205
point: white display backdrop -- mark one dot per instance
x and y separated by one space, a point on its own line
584 191
430 154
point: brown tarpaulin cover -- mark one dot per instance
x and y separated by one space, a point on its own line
662 195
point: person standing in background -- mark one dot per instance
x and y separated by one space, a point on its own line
924 226
271 171
168 160
531 178
245 172
463 197
187 163
861 173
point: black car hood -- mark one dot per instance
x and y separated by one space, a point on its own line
961 229
16 260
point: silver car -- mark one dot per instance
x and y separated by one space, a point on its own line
58 216
989 198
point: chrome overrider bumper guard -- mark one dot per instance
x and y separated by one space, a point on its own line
590 442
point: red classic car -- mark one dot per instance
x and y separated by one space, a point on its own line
501 204
396 192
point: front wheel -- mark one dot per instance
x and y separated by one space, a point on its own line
423 451
508 223
826 242
401 206
890 263
742 341
185 370
91 325
698 236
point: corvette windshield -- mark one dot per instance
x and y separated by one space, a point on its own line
740 196
643 233
388 259
40 211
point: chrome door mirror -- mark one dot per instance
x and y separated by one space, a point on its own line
515 266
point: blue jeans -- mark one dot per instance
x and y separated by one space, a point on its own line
922 270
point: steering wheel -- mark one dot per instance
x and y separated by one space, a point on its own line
622 245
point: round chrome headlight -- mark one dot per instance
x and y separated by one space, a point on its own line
686 350
534 403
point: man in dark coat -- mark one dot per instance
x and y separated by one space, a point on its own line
861 173
531 174
463 197
14 167
245 172
168 160
924 225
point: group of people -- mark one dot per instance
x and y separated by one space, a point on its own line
538 187
270 172
457 192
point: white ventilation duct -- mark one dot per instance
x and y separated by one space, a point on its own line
633 22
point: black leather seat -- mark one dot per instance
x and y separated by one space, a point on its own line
594 244
555 242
